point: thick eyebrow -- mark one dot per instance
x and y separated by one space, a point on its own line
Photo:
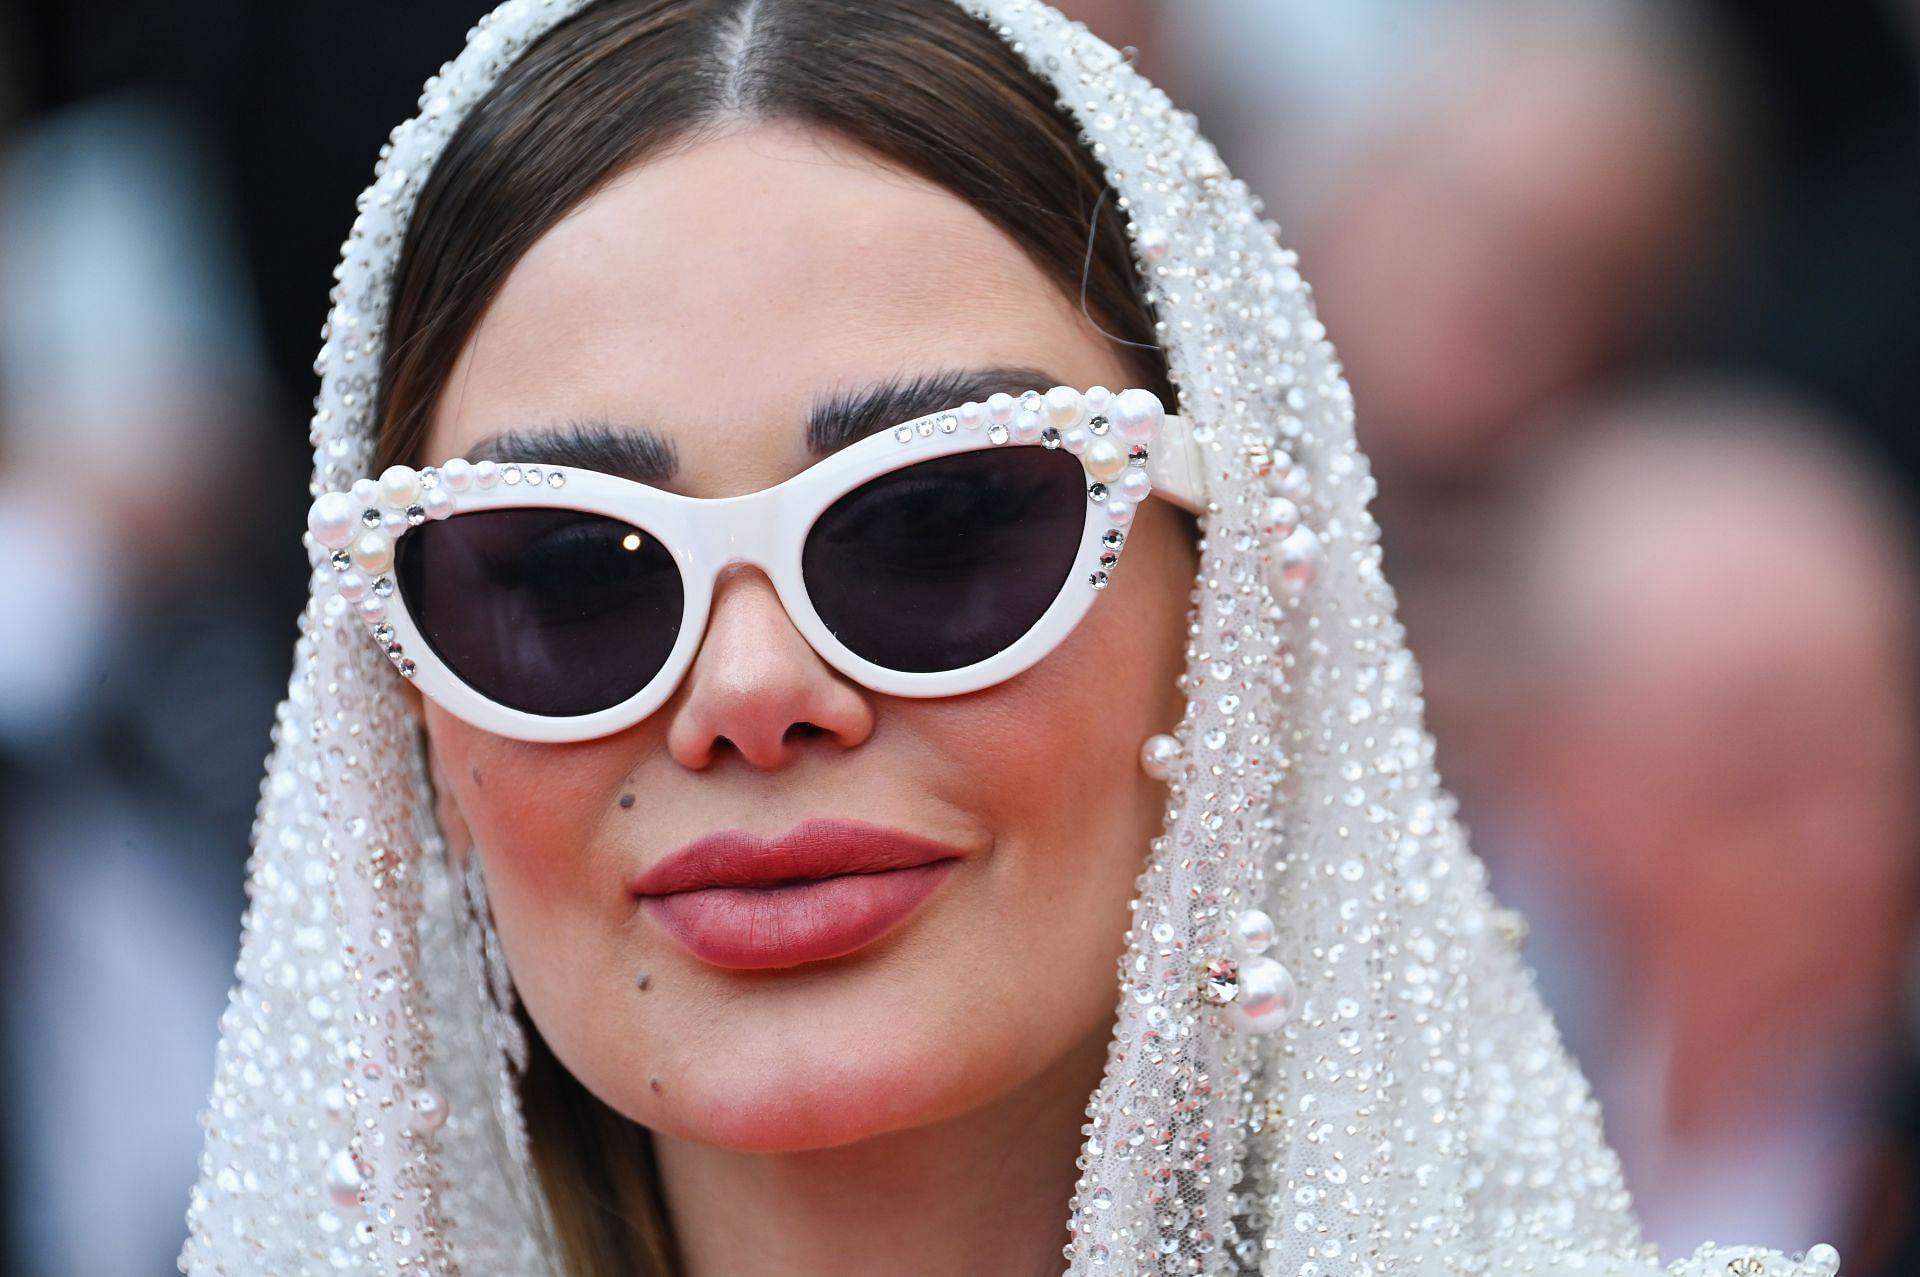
847 416
833 421
632 452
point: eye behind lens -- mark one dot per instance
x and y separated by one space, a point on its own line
552 612
946 563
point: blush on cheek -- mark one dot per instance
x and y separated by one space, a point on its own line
535 812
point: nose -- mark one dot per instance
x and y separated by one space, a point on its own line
757 688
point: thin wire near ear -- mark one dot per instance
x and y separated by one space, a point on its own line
1086 272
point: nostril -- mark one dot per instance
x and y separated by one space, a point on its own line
796 733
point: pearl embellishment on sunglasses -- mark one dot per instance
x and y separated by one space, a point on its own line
1137 415
1105 461
1109 433
399 487
333 520
372 552
1084 424
360 526
1062 407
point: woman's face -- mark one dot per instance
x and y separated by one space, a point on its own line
711 297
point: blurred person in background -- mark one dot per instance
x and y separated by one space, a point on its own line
1712 815
160 247
132 699
1811 273
1505 205
1512 226
1505 232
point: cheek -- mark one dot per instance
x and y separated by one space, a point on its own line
534 813
1058 777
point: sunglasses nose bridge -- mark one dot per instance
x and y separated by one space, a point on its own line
747 529
750 533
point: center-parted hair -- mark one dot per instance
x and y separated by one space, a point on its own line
918 82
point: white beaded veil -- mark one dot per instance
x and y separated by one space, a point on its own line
1415 1115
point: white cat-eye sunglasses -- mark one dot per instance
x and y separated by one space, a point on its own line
937 557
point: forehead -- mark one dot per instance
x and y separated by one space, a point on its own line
715 292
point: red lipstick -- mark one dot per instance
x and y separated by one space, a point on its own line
824 889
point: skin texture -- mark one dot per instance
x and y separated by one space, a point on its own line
872 1113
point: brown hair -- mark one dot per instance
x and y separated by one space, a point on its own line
919 82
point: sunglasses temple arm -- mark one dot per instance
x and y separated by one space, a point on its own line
1178 468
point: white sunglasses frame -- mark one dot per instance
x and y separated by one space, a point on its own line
1128 448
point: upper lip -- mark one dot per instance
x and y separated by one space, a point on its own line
810 850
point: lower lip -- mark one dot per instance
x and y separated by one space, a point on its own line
755 928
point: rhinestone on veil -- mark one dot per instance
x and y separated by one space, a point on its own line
1414 1114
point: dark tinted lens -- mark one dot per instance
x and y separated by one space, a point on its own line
554 612
947 562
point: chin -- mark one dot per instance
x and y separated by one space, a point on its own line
822 1096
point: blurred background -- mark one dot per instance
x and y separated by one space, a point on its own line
1629 295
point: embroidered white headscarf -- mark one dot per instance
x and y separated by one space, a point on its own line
1416 1114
